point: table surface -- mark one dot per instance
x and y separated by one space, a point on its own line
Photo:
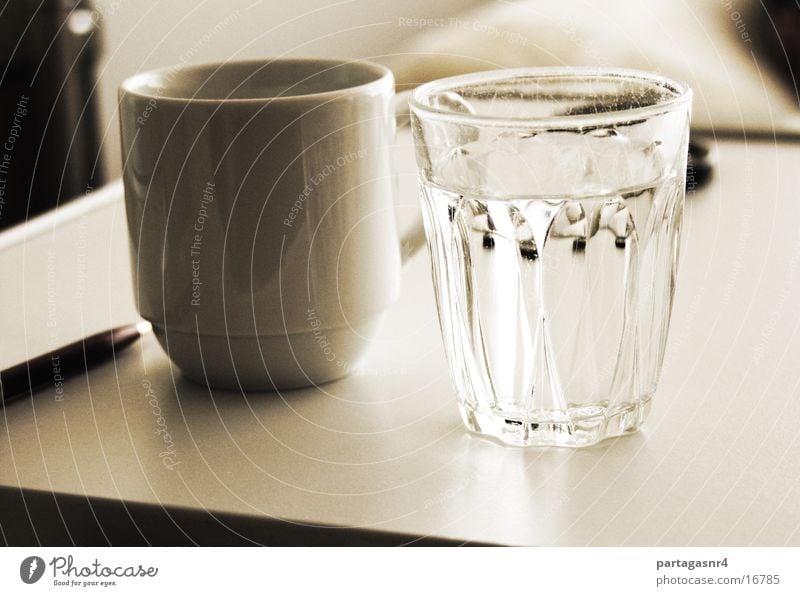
384 451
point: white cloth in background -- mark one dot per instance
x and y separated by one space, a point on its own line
707 43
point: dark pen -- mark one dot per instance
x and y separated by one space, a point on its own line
55 367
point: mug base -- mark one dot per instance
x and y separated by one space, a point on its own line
267 362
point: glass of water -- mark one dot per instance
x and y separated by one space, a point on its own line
552 201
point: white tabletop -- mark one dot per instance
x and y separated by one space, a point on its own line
717 463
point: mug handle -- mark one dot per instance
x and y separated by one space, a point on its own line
413 237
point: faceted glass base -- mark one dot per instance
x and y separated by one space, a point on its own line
584 427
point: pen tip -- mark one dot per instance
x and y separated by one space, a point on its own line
143 327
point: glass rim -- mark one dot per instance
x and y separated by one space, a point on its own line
682 96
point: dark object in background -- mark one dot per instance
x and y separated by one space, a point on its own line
699 165
776 37
49 141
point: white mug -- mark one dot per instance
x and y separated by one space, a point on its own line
259 197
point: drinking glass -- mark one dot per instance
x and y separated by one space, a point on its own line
552 202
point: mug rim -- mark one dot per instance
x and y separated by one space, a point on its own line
682 96
134 85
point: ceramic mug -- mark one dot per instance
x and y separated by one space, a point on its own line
259 203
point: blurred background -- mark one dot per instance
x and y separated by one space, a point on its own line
69 56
